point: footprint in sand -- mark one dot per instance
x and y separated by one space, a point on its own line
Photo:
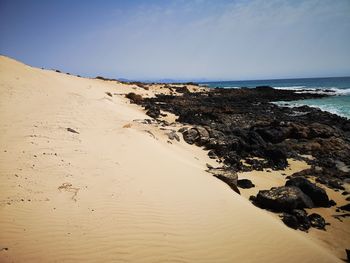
68 187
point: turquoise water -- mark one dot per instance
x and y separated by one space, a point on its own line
338 104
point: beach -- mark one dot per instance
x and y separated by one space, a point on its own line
84 178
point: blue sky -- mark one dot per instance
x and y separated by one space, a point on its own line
181 39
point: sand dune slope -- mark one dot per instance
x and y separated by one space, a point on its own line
113 192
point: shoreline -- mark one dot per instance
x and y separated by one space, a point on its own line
115 186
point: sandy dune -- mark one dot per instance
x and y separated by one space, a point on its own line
113 192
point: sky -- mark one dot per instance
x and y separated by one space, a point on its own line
180 39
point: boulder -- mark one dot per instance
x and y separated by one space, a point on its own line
203 136
277 157
317 194
227 176
153 112
303 220
290 220
317 221
191 135
245 183
297 219
284 199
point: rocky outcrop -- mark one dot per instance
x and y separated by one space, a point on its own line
317 194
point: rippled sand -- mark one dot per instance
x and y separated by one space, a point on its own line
115 192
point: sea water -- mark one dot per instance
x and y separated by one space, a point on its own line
338 104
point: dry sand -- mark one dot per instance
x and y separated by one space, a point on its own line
116 192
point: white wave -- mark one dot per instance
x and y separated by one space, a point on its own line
291 87
317 90
326 107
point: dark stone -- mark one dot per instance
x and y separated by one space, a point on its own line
153 112
227 176
345 207
245 183
109 94
303 220
332 203
290 220
212 154
134 98
297 219
72 130
317 221
317 194
190 136
284 198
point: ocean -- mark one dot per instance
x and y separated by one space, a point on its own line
338 104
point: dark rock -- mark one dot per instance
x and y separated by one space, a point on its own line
72 130
317 221
345 207
332 203
153 112
297 219
212 154
284 198
226 176
203 135
109 94
303 220
191 136
245 183
277 157
134 98
290 220
317 194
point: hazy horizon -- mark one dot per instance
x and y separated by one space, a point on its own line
195 40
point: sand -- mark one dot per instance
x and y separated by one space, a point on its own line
117 190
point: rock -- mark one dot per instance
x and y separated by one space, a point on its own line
72 130
290 220
303 220
332 203
317 221
203 136
284 198
348 254
212 154
297 219
277 157
226 176
183 129
317 194
109 94
345 207
173 135
245 183
191 136
134 98
153 111
182 89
